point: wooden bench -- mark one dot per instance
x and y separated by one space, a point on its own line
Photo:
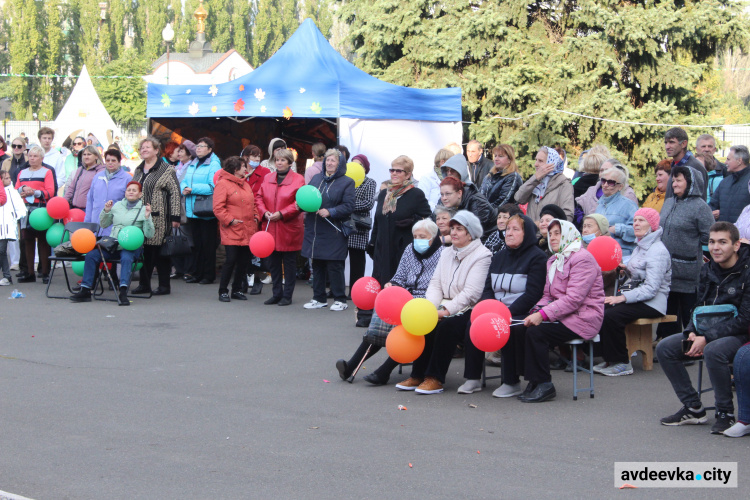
639 336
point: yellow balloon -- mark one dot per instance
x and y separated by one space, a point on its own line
419 316
355 172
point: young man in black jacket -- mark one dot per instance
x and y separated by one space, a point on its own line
725 280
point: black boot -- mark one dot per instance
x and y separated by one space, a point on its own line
83 295
257 286
124 301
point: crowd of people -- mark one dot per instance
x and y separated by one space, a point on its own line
470 229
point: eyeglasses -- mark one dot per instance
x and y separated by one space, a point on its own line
200 146
79 144
610 182
396 171
17 146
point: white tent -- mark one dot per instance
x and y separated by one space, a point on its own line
85 113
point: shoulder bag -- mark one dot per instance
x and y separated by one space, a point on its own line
203 205
706 317
175 244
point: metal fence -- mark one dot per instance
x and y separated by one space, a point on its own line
734 136
13 128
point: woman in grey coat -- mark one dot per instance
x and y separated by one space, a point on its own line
650 272
686 219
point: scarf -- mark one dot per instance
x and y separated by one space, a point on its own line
395 191
554 159
110 174
570 241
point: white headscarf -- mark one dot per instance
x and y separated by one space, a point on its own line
570 241
552 158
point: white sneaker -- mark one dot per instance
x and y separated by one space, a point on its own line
600 366
737 430
470 386
339 306
617 370
14 267
5 282
314 304
507 390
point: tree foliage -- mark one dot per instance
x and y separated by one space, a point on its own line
642 61
124 98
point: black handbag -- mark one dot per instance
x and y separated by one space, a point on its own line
203 205
175 244
361 222
108 243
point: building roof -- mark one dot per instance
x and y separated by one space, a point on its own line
203 64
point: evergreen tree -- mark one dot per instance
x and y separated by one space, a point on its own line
150 17
185 33
275 22
241 41
320 12
219 24
25 43
634 61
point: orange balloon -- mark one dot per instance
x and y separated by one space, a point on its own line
83 240
402 346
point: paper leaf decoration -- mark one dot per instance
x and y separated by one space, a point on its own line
188 91
259 94
262 109
242 87
239 105
315 108
302 90
213 90
165 100
287 113
193 109
213 109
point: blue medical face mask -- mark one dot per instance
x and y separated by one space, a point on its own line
421 246
254 164
588 238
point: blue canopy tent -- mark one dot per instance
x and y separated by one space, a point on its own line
305 92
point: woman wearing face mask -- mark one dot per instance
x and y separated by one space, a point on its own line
256 175
547 186
127 212
572 307
78 189
596 225
516 278
418 263
686 220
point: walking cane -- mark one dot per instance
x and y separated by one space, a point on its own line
109 276
354 373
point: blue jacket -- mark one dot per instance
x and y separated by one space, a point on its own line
619 212
323 240
102 191
732 195
714 179
200 179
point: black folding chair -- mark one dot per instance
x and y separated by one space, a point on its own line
70 228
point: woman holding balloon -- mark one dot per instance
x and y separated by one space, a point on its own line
455 288
516 278
131 221
36 185
282 218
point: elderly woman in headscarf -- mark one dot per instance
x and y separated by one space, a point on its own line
572 307
617 209
357 241
547 186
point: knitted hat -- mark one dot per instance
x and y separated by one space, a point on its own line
470 222
554 211
190 146
651 216
364 161
601 221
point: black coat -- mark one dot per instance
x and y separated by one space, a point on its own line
475 202
719 286
583 184
323 240
500 189
479 170
391 233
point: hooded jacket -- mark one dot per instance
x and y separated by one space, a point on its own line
516 275
619 212
77 190
732 195
651 265
234 200
324 237
268 163
699 170
103 190
686 221
415 269
726 286
274 197
10 213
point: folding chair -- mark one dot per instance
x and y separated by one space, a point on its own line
70 228
97 291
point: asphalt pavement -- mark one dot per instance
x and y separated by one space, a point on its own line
186 397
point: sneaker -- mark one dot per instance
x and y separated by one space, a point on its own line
339 306
6 281
224 297
470 386
686 416
723 422
409 384
267 280
617 370
431 385
314 304
507 390
493 359
738 430
598 367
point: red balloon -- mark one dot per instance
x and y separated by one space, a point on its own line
489 332
75 215
262 244
493 306
606 251
364 292
402 346
389 302
58 208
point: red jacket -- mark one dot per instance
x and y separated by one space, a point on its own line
256 178
233 200
289 231
3 197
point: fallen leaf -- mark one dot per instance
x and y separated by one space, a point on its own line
478 452
326 381
402 407
410 465
626 485
313 427
472 405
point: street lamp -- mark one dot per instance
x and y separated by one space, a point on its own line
103 11
167 35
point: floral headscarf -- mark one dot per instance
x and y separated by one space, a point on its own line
570 241
554 158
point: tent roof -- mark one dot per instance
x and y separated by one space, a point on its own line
307 78
84 111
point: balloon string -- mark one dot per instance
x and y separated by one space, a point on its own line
269 223
332 224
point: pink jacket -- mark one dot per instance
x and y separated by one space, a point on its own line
78 187
576 296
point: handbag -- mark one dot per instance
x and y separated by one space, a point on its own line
25 220
203 205
108 243
361 222
175 244
707 317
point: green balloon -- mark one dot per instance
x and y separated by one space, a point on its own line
78 267
40 219
137 266
55 234
309 198
130 238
